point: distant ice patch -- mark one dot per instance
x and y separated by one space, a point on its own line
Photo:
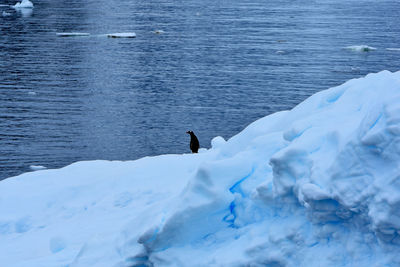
159 32
122 35
37 167
360 48
5 14
24 4
393 49
72 34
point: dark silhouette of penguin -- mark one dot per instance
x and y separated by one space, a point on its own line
194 142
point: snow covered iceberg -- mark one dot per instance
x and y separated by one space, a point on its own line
315 186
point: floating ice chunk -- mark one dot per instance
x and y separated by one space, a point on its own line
37 167
122 35
31 93
393 49
24 4
280 52
159 32
5 14
72 34
360 48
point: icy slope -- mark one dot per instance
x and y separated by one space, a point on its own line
315 186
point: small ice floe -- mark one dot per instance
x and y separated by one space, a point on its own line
23 4
393 49
5 14
37 167
360 48
31 93
72 34
158 31
122 35
280 52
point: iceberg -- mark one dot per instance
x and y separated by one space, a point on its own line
318 185
23 4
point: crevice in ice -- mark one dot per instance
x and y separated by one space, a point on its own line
141 260
236 187
376 121
231 217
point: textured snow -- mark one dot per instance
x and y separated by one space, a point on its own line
318 185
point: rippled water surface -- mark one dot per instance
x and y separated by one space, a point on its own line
218 66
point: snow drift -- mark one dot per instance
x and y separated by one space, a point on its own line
315 186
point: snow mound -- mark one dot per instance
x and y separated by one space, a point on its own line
24 4
318 185
360 48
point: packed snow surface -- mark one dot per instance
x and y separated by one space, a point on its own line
318 185
24 4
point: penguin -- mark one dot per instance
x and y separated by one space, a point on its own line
194 142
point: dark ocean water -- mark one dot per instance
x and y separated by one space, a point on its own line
218 66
